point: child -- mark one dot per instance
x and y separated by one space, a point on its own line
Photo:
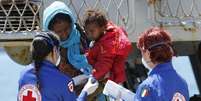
110 48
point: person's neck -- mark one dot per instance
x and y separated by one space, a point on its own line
48 58
153 65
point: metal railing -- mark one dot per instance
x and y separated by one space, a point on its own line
19 19
19 15
116 10
184 13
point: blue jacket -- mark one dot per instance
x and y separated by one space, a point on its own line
54 86
163 84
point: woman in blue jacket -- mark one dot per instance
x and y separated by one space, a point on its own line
163 82
44 81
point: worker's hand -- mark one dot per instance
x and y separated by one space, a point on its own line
91 86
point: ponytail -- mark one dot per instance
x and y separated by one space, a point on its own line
37 68
42 45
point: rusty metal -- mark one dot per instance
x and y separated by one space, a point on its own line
150 2
18 21
19 54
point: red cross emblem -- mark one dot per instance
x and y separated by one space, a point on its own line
29 93
71 86
178 97
29 97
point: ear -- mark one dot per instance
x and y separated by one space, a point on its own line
54 53
146 54
54 50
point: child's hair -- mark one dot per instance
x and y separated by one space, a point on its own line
95 16
42 45
58 18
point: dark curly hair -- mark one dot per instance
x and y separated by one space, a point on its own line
95 16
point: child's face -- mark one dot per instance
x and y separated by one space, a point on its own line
94 31
62 29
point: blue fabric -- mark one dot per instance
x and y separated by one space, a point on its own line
101 97
162 84
82 96
73 42
54 85
27 76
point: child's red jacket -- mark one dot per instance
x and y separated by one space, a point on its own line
109 53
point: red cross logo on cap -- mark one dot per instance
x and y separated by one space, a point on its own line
29 93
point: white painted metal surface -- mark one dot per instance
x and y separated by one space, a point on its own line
134 15
181 17
121 12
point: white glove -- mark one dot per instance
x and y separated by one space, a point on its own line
91 86
80 79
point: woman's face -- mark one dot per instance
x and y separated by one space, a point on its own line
146 55
62 29
147 59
